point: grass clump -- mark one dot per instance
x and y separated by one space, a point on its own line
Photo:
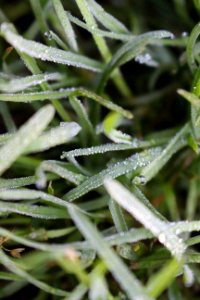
99 165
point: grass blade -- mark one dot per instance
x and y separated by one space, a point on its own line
52 95
40 51
190 47
67 27
159 228
106 19
24 137
56 167
54 137
17 85
34 211
126 280
177 142
132 163
130 50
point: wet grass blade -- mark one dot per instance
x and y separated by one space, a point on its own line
126 280
46 53
10 151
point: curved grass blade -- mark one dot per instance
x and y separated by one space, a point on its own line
11 150
125 278
105 18
28 194
103 48
34 211
57 168
193 99
66 25
130 50
20 84
70 92
130 164
134 144
100 32
137 209
175 144
40 51
82 116
190 47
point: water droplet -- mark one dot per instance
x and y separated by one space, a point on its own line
162 238
48 35
140 180
184 34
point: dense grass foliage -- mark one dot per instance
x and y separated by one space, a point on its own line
99 149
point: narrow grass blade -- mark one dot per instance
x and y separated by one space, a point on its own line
118 216
132 163
40 51
24 137
192 199
34 211
159 228
66 25
52 95
100 32
130 236
125 278
28 194
57 168
175 144
40 14
83 116
130 50
105 18
103 48
190 47
20 84
193 99
134 144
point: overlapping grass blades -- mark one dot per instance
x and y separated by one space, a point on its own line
125 239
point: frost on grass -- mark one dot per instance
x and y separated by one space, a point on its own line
11 150
130 164
158 227
46 53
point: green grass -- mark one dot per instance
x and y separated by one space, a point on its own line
99 149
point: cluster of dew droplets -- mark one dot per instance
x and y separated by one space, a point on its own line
173 243
146 59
